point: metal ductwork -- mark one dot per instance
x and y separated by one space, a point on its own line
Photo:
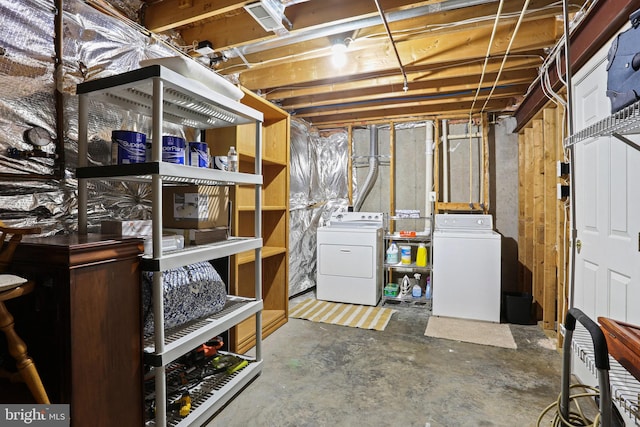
372 176
305 35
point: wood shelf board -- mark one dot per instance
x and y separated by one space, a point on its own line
273 161
248 257
266 160
251 209
271 111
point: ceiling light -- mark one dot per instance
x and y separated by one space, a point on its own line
269 14
339 53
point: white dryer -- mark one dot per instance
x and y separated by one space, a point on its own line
350 253
466 267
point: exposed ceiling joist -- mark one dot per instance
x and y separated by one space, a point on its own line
424 52
442 45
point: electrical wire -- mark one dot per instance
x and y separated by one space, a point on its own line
486 58
584 10
504 60
475 20
543 86
575 416
393 43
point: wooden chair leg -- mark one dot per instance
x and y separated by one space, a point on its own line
18 350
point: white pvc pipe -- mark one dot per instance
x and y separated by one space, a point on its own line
445 161
428 170
465 136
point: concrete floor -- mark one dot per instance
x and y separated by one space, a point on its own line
317 374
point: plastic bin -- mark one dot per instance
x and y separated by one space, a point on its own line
518 307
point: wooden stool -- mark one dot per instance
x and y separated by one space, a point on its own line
11 287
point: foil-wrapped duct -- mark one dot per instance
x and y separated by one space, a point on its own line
318 187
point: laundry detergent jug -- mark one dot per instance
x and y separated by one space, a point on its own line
421 257
392 254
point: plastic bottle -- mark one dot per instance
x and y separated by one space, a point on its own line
427 291
392 254
232 159
405 254
421 257
416 292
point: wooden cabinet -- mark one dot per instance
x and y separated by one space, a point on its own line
275 215
82 324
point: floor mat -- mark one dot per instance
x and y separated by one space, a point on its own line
477 332
356 316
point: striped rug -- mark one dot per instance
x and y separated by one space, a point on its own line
356 316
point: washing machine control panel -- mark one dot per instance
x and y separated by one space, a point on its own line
356 218
464 222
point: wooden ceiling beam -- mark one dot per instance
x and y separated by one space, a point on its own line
240 28
507 93
432 88
170 14
442 23
527 63
467 17
416 113
428 51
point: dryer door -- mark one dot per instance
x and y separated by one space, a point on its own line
348 265
346 260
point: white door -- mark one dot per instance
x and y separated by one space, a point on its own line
607 276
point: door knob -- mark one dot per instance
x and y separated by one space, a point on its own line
578 245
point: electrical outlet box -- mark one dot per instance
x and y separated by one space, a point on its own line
563 169
563 191
432 196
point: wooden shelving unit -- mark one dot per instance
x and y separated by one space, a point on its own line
275 216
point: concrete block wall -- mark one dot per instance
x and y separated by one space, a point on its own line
410 178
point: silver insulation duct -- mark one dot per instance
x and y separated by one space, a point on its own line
318 187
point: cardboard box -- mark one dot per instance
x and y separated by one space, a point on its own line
195 206
203 236
128 228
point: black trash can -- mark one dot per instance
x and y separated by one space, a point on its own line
518 307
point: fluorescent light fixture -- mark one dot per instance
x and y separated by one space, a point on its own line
269 14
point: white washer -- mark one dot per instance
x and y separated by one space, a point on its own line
350 254
466 267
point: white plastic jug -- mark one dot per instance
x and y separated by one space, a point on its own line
392 254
